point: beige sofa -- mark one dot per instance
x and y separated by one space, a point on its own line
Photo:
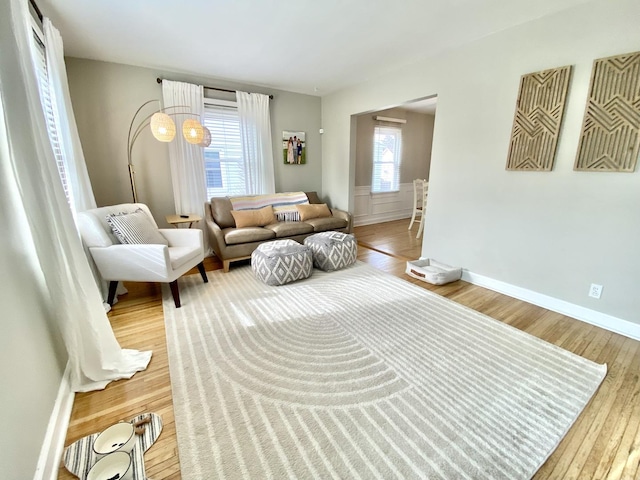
231 244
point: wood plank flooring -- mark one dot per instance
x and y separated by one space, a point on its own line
604 443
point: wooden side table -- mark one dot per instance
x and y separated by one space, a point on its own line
177 220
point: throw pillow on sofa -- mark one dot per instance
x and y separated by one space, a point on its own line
135 228
254 218
313 210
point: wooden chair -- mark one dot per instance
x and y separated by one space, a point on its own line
423 207
420 190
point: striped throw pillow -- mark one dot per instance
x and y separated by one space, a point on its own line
135 228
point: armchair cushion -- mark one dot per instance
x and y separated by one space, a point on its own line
135 228
181 255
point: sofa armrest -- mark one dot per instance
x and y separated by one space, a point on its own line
216 237
345 215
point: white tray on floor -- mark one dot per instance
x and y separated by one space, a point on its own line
433 272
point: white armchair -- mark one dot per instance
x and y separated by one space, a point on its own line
140 262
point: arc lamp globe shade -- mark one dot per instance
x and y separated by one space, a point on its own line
193 132
163 127
206 139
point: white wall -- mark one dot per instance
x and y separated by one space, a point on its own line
106 95
553 233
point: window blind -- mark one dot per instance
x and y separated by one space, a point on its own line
387 146
48 107
224 163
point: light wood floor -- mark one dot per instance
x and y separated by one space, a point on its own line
604 443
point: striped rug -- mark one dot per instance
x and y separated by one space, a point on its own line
356 374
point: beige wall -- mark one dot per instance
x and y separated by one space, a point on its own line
106 95
32 360
417 136
550 233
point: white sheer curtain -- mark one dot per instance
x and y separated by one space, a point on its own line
76 167
42 225
255 131
185 159
81 192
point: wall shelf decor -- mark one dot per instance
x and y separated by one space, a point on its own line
538 118
610 138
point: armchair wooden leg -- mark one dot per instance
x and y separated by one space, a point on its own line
175 292
113 286
202 272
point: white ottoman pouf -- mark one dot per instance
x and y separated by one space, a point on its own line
281 261
332 250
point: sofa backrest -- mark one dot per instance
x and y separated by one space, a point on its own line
313 197
221 209
221 212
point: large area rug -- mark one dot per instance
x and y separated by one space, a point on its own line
358 374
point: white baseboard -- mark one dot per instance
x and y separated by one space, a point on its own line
383 217
53 444
593 317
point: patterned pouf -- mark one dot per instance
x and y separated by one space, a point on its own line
332 250
281 261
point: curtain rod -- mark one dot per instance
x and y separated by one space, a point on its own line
35 7
159 80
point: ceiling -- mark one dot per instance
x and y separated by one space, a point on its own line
304 46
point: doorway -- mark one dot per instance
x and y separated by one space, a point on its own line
383 190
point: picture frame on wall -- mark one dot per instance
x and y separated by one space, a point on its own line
294 149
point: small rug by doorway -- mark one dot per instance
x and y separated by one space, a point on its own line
358 374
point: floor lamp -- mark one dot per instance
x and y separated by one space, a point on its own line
163 129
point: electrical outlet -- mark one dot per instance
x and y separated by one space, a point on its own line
595 291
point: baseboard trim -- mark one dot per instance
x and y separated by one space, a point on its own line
382 218
593 317
53 444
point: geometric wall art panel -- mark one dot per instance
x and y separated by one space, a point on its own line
610 138
538 118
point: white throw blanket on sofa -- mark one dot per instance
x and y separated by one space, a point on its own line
284 204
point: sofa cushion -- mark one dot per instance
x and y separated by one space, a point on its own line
316 210
254 218
327 223
234 236
289 229
221 212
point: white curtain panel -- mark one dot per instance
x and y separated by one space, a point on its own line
255 131
81 192
185 159
39 220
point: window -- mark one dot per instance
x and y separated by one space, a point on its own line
387 146
223 160
49 108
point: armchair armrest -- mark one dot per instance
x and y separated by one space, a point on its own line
344 215
134 263
182 237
